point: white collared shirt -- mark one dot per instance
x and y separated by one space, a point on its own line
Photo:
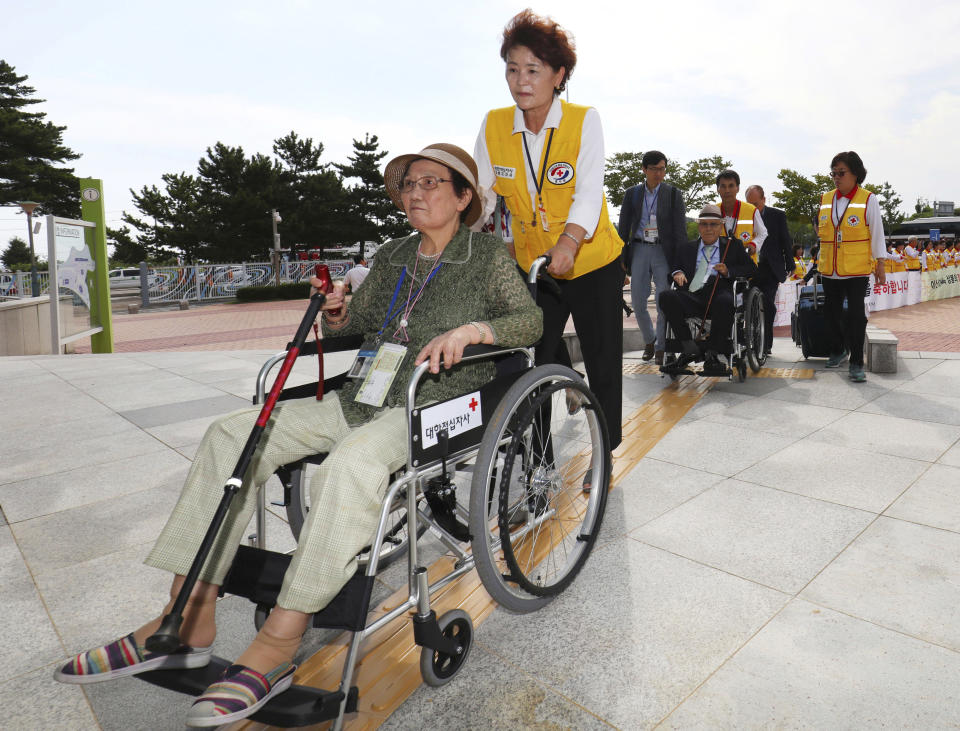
588 191
759 227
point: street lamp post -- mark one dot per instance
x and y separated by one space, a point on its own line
275 253
28 207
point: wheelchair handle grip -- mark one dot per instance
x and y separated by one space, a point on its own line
541 262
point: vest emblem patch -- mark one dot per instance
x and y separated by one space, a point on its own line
745 236
504 172
853 220
560 173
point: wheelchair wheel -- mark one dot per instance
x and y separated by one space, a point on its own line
437 668
532 522
395 540
755 327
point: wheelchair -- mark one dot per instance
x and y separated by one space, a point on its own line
745 346
503 495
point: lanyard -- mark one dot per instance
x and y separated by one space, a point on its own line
393 313
543 169
649 208
835 209
703 253
736 217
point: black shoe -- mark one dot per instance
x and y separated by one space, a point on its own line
648 351
690 349
713 366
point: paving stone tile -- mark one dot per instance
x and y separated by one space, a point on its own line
648 491
951 456
88 485
164 414
489 693
889 435
78 452
648 628
814 668
774 538
938 408
776 417
35 701
71 537
702 445
842 475
833 390
899 575
932 500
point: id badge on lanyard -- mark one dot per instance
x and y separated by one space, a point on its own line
380 374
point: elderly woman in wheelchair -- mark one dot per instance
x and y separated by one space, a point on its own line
713 313
427 298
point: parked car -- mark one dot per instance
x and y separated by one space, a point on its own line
128 278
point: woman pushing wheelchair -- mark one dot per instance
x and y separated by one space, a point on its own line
427 297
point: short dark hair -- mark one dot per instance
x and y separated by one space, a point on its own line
798 246
651 158
545 39
728 174
357 259
851 160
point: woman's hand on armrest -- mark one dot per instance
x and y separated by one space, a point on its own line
449 346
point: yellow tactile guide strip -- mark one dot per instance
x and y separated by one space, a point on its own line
389 669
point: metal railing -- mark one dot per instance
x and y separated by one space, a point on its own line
195 282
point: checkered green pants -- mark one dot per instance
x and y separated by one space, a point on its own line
346 493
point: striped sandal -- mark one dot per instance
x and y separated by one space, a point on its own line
124 657
239 693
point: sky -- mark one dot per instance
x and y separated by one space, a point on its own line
144 89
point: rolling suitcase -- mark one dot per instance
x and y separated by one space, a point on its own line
808 325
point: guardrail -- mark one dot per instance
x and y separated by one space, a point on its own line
195 282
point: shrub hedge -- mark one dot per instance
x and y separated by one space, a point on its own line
287 291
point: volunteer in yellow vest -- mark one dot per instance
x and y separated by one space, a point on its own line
911 255
898 258
741 220
799 265
546 158
850 228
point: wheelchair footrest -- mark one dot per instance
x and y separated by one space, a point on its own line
301 705
257 574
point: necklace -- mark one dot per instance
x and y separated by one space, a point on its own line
412 299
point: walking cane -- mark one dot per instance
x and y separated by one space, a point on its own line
716 280
167 638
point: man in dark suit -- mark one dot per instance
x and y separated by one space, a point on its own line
652 224
776 259
704 271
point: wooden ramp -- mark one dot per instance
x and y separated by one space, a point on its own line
388 670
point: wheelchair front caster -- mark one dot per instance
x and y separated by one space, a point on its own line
438 668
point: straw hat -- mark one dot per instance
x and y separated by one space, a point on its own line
710 212
453 157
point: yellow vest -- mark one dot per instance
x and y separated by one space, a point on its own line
799 267
743 229
559 183
845 251
933 260
912 262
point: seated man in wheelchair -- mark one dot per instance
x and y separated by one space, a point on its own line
427 297
704 272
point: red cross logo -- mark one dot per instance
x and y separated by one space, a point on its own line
473 404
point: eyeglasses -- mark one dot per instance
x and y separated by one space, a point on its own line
838 173
656 169
427 182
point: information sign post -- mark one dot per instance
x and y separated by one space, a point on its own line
98 282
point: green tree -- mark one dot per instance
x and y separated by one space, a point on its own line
696 180
371 215
314 204
126 250
30 151
890 203
800 197
17 252
169 218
